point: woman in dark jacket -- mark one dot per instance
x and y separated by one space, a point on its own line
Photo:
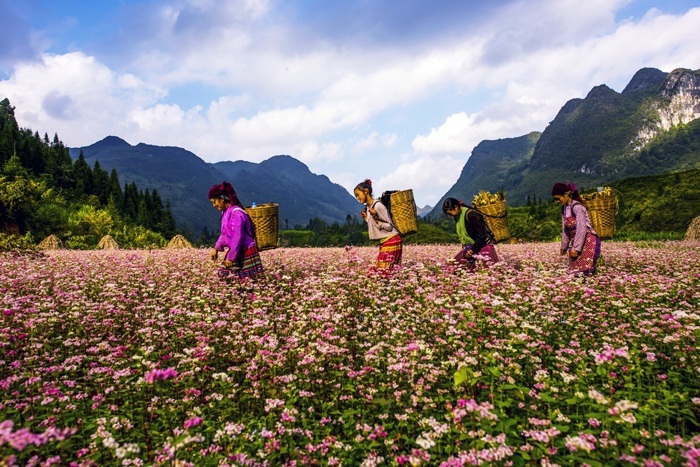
476 238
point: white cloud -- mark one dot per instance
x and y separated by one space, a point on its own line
428 177
75 96
375 140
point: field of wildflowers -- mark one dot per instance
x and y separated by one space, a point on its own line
146 358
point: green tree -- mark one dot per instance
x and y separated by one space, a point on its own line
101 183
91 222
9 131
83 176
19 196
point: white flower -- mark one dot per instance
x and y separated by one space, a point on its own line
425 443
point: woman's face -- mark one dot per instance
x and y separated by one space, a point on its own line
218 203
361 196
454 212
562 199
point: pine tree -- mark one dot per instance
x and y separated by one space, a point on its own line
101 183
143 217
115 190
9 131
83 176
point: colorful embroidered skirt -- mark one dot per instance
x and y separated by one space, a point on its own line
488 252
248 267
585 262
390 251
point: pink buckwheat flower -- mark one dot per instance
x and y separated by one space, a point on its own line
194 421
160 375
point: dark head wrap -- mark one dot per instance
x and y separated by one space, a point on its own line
564 188
225 191
560 189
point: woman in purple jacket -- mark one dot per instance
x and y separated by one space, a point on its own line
242 260
578 239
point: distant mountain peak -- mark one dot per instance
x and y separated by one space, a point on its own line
600 90
284 161
646 79
112 141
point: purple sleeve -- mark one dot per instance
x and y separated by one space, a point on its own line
233 234
581 227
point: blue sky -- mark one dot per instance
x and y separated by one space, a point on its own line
399 91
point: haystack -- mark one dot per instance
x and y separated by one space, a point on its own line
179 242
51 242
693 232
108 243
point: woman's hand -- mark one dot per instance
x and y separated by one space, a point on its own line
227 263
214 255
372 211
574 253
363 214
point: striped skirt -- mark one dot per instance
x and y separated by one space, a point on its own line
390 250
248 267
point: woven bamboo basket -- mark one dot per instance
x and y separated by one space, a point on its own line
496 220
266 221
404 212
601 212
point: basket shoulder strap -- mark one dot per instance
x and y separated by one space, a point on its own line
487 230
250 232
390 219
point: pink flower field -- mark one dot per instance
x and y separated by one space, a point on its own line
147 358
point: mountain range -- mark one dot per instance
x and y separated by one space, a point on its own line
183 178
651 127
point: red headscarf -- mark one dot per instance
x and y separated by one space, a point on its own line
225 191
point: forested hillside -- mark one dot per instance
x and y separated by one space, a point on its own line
651 128
43 191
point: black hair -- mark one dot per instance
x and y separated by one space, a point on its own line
365 186
575 195
451 203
